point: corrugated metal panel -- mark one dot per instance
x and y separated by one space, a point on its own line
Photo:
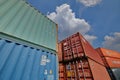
99 72
76 46
20 62
83 69
21 21
108 53
60 55
113 62
80 59
90 51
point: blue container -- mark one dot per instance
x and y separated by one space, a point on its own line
20 62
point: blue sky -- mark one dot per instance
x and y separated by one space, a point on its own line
97 20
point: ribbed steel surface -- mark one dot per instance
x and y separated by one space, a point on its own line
108 53
20 62
20 20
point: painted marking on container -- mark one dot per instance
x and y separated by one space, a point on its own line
44 60
45 72
51 71
65 44
107 52
116 62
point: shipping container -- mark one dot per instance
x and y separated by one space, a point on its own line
61 71
21 22
21 62
81 61
108 53
76 46
99 72
83 69
111 61
70 71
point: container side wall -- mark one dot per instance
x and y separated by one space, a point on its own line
89 51
20 62
113 62
22 21
108 52
99 72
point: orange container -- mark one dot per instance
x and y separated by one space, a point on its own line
113 62
99 72
108 53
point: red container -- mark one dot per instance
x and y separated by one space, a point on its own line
108 53
80 60
89 51
76 46
84 69
61 67
70 71
61 79
61 71
66 50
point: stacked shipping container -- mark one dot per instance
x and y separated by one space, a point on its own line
80 60
111 61
22 23
21 62
28 43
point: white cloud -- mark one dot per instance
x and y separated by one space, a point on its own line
90 38
89 3
68 23
112 41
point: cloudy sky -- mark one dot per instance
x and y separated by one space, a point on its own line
97 20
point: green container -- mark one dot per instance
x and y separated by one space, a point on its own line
21 22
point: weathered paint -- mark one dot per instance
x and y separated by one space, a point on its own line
20 62
21 22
